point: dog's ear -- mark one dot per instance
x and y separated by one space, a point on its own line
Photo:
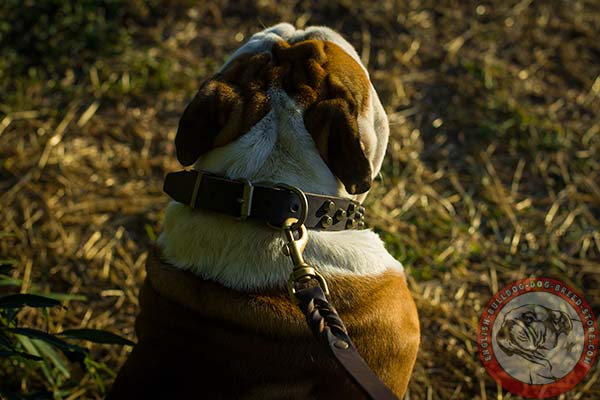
561 321
334 128
205 118
226 106
504 338
334 90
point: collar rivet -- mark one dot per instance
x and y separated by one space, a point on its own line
326 221
328 206
340 214
351 209
340 344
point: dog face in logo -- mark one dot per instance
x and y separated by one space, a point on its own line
531 331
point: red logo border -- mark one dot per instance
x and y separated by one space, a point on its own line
538 391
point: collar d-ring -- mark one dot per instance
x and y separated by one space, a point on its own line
303 205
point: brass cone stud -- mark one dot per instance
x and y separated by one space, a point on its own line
326 221
350 223
328 206
340 215
351 209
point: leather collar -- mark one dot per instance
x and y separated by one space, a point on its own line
239 198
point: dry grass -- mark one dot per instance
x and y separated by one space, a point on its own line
492 173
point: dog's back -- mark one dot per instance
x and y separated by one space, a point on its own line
198 339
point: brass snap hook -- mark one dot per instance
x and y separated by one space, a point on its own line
295 247
302 272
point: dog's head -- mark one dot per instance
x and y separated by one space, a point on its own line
531 330
281 97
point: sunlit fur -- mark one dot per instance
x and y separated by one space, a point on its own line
247 255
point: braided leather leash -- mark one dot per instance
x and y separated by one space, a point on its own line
327 325
309 290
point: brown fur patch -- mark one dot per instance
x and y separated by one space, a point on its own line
227 105
200 339
328 83
334 90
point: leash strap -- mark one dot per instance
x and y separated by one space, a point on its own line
327 325
309 290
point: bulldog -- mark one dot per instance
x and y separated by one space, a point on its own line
532 332
296 107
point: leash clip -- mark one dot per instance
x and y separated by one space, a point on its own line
302 273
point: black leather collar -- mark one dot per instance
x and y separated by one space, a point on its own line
240 198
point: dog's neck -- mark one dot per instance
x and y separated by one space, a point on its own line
277 149
247 255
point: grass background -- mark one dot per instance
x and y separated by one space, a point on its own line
492 172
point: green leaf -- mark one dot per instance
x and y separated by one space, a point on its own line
5 341
30 347
8 281
31 300
11 313
96 336
63 296
95 369
14 353
48 338
48 352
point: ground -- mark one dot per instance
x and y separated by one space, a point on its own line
492 172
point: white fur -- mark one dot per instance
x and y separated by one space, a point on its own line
248 255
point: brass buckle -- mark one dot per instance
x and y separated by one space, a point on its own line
196 188
246 200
